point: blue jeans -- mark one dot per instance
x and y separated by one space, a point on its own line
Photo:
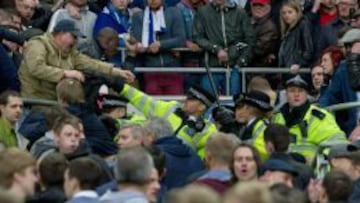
220 82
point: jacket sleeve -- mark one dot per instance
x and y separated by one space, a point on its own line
249 37
308 47
11 36
332 94
136 28
146 104
42 20
35 60
200 33
177 32
83 62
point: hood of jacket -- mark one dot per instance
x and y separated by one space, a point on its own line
174 146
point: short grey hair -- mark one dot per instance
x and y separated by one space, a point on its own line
133 166
159 126
136 130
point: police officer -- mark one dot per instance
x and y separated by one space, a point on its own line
310 126
186 119
250 119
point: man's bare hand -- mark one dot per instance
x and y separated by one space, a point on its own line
154 47
223 56
74 74
127 75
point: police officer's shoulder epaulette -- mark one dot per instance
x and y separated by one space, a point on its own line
317 113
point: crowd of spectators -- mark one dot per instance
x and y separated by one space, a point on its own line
79 142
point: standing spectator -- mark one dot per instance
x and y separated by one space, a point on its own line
178 155
330 32
11 105
296 49
51 170
267 35
133 171
157 30
188 9
278 171
218 176
246 163
342 89
221 29
51 57
328 12
17 173
81 178
78 12
131 135
309 125
318 80
330 59
336 187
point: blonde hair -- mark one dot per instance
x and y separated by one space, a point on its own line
70 91
294 4
249 192
262 84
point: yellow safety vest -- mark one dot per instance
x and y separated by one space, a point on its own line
257 139
312 132
152 107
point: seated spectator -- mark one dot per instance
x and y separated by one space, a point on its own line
218 176
267 35
78 12
309 125
278 171
318 80
224 52
51 179
132 177
43 67
295 28
11 105
343 87
245 163
249 192
154 44
82 176
193 194
330 59
131 135
336 187
178 155
17 173
96 134
331 31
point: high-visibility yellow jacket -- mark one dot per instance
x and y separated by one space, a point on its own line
317 127
151 107
257 139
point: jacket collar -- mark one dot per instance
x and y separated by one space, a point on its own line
228 6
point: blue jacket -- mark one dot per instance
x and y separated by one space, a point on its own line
330 32
97 136
339 91
181 161
109 17
8 77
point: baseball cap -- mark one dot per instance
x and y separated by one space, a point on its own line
351 36
342 150
279 165
68 26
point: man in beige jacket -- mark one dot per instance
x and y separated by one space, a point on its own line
51 57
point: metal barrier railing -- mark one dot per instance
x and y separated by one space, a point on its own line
199 70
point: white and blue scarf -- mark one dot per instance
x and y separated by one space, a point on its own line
154 22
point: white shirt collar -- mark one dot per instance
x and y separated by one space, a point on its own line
86 193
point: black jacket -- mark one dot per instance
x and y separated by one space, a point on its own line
297 45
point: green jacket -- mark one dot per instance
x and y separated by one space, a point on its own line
43 67
208 31
7 134
316 128
151 107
